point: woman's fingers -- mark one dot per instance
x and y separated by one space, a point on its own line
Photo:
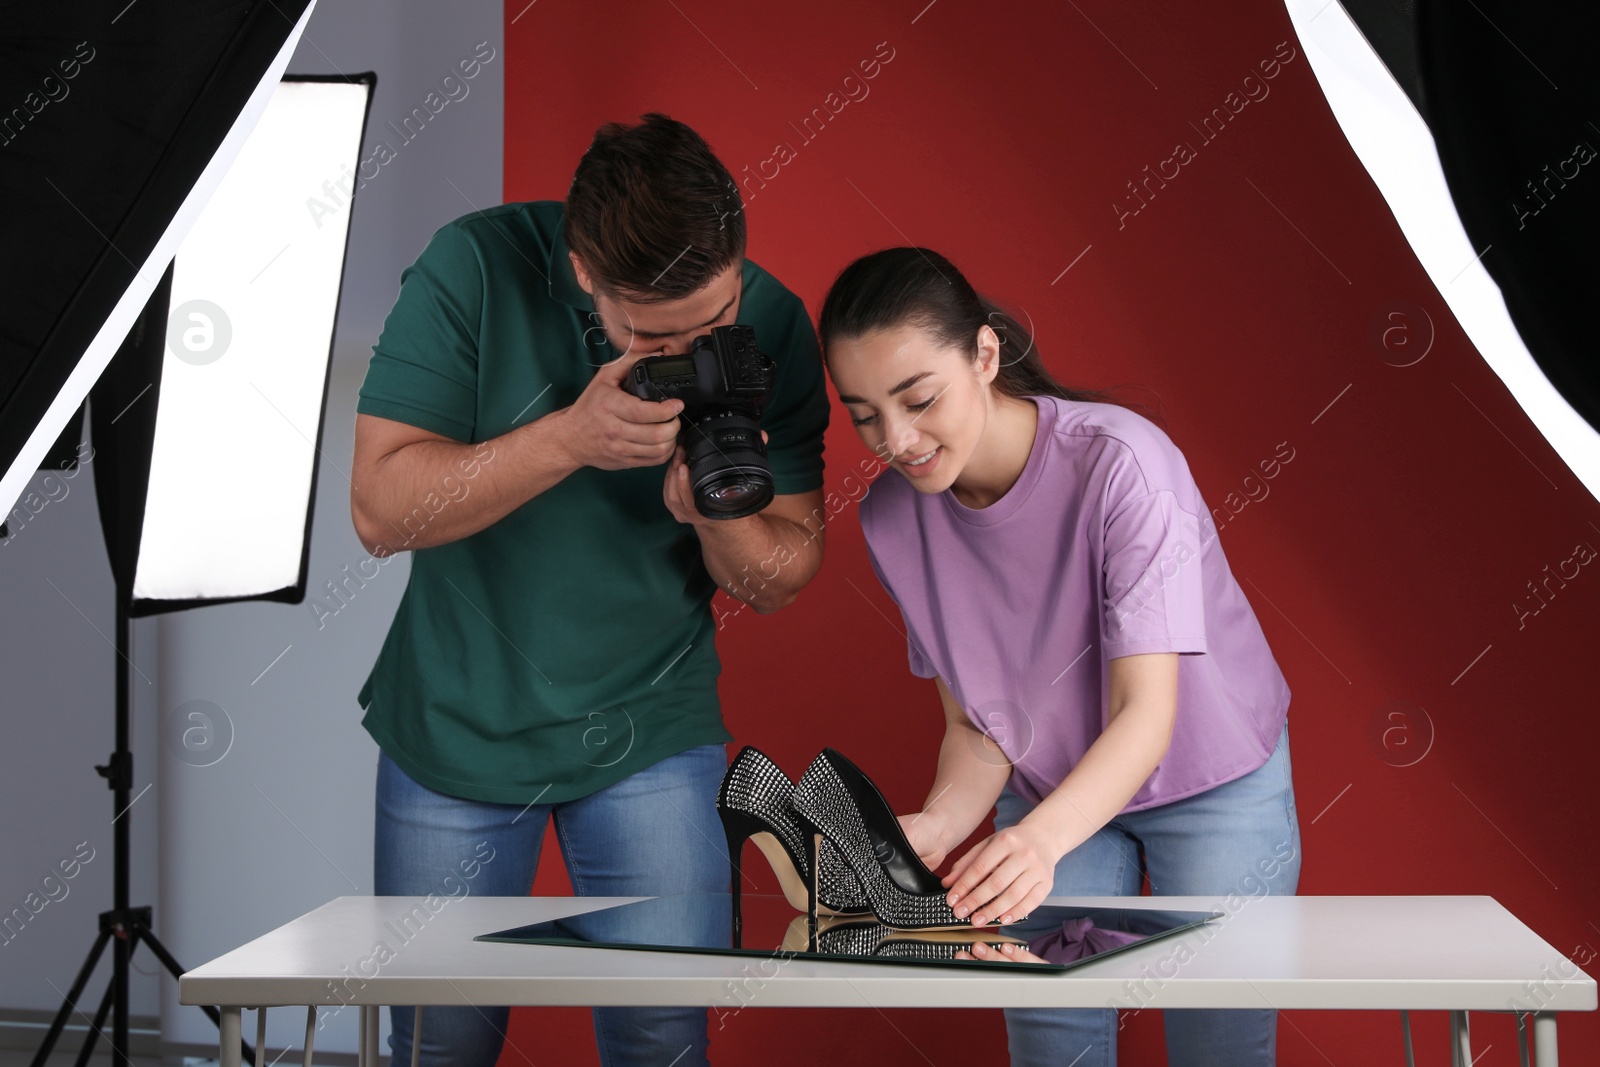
1015 888
1030 900
1020 952
1006 886
970 869
966 858
996 877
1005 951
1024 907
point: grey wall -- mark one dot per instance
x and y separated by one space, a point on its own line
58 667
283 821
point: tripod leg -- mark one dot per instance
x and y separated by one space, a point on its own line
170 962
70 1002
96 1029
120 950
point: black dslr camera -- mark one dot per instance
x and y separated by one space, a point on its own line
724 380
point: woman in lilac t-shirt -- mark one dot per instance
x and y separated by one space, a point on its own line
1107 689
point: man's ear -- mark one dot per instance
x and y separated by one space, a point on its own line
583 276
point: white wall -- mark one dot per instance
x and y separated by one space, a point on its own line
283 822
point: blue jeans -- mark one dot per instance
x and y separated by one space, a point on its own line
653 833
1241 837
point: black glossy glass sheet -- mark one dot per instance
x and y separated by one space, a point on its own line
1055 938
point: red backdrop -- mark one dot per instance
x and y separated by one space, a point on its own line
1443 733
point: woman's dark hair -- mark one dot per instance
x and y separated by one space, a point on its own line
910 286
653 214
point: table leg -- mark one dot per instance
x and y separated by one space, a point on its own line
230 1033
1544 1038
1405 1028
372 1035
1461 1041
1522 1039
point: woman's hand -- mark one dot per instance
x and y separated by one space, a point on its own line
1006 951
1005 876
926 834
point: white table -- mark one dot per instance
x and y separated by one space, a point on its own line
1447 953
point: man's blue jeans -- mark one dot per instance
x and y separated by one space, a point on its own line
654 833
1241 839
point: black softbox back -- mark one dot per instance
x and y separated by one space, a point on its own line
109 112
1511 94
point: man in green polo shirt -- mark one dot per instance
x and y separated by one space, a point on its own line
553 651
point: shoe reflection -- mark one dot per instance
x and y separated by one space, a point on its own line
844 936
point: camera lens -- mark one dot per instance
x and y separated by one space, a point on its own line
733 495
727 465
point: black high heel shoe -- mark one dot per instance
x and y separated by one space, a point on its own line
754 803
837 804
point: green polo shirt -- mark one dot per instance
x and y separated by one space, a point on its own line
570 644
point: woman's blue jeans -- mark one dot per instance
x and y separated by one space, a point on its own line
654 833
1241 837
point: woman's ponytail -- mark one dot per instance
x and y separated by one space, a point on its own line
919 287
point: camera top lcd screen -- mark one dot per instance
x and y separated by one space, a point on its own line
668 368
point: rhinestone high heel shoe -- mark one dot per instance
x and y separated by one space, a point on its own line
754 803
838 805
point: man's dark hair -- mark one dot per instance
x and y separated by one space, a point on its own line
653 214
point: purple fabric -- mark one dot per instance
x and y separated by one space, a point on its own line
1103 548
1076 939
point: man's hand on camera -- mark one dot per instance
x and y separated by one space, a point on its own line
610 428
678 494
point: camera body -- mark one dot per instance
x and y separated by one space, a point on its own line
724 381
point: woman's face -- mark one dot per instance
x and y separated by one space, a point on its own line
919 407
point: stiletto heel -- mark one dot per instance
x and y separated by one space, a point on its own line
754 803
737 832
836 801
816 866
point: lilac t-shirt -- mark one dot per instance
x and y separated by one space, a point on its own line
1103 548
